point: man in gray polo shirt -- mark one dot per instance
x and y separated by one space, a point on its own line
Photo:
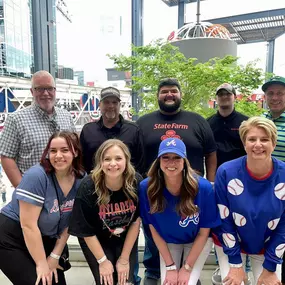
26 132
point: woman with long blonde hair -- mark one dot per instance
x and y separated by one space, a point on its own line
179 207
106 215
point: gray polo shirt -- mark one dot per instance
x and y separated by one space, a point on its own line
26 133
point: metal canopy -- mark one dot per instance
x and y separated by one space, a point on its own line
172 3
254 27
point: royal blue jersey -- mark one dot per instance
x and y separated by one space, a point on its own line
170 225
252 212
37 188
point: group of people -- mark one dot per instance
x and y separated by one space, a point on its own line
119 175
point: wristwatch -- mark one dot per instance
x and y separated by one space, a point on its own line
188 267
239 265
171 267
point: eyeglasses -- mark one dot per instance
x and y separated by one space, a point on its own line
43 89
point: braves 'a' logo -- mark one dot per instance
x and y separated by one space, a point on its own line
193 218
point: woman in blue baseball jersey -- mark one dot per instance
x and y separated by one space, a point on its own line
180 208
33 226
250 193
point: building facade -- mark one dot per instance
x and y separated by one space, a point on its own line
16 50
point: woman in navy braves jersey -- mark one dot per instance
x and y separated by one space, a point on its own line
250 193
33 226
180 208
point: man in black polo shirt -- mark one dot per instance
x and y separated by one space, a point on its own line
111 125
225 125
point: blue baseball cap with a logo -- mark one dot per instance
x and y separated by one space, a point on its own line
172 145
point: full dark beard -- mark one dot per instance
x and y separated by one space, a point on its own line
169 108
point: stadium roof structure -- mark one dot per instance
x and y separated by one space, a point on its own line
264 26
172 3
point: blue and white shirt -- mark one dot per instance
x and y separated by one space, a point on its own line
252 212
37 188
170 225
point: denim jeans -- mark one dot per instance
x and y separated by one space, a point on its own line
151 255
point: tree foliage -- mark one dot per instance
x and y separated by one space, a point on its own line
198 81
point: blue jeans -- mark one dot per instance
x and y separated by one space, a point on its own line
151 255
137 279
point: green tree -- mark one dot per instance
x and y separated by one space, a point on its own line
198 80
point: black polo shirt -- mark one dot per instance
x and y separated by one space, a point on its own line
226 133
95 133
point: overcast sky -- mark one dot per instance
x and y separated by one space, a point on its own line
96 30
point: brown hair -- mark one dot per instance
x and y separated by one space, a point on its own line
188 191
98 174
73 143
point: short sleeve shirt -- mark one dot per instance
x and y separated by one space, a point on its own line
190 127
37 188
103 221
171 226
26 133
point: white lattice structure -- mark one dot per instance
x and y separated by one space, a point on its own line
201 30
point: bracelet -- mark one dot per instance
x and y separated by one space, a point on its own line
170 264
127 262
55 256
239 265
102 259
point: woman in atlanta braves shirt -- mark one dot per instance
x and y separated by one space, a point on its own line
105 216
180 208
250 193
33 226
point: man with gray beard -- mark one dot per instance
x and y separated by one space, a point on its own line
111 125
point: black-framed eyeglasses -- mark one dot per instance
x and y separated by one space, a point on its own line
43 89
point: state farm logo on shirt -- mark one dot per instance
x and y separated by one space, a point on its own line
65 207
186 221
170 134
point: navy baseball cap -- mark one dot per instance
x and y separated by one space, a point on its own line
172 145
274 80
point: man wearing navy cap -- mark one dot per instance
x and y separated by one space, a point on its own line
111 125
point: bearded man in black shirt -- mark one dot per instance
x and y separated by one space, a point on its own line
170 121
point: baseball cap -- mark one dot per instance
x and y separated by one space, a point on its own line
109 92
172 145
228 87
274 80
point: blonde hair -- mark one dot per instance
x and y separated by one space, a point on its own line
98 175
258 122
189 190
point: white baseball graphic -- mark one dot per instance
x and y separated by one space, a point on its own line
279 191
235 187
273 224
279 250
239 219
229 240
224 211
